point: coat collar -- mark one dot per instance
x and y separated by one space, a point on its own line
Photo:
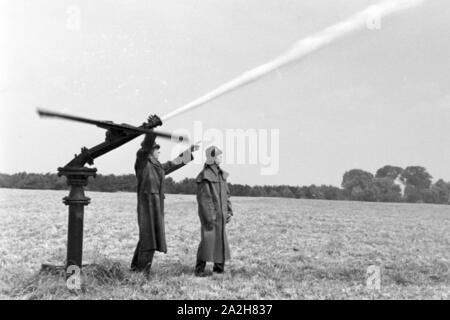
211 173
154 161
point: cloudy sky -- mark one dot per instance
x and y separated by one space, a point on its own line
376 97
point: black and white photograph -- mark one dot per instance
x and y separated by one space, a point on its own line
233 152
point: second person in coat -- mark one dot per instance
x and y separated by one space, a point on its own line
215 211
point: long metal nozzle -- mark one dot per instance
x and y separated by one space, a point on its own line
111 125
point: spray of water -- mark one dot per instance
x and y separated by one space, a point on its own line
301 49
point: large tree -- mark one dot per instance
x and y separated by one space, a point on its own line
441 192
418 182
358 185
417 177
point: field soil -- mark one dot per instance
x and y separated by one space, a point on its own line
281 249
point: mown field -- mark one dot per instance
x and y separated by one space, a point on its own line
281 249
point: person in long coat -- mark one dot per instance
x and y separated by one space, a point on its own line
150 175
215 211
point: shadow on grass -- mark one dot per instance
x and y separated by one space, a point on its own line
50 281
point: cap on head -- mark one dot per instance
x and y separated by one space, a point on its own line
212 152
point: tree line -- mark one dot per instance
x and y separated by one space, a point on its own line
389 184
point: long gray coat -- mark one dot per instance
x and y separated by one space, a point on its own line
150 175
214 209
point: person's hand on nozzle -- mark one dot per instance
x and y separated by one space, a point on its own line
153 121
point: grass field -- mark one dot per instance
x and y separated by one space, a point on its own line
281 249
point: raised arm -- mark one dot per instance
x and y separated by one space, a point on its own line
180 161
146 145
144 152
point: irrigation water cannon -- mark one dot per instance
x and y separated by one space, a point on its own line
78 174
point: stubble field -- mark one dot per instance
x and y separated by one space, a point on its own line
281 249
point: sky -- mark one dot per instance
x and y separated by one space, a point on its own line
376 97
